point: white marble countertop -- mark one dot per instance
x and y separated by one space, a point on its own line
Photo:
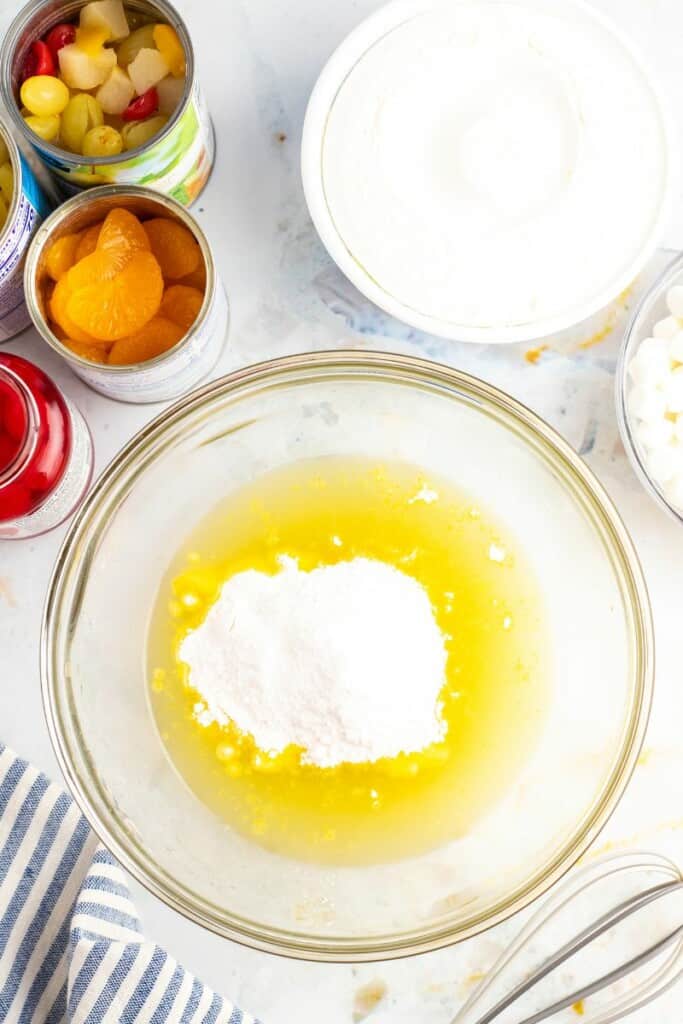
258 60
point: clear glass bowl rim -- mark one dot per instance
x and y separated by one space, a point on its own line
69 744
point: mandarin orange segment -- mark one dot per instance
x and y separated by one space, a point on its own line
93 351
157 336
174 246
122 305
197 279
181 305
96 268
122 234
88 242
58 311
58 332
61 255
87 350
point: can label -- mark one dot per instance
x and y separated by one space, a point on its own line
174 375
178 165
33 206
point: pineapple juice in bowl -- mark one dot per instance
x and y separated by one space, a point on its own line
486 696
262 427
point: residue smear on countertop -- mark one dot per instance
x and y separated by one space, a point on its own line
600 334
532 355
474 978
600 327
634 840
6 592
368 997
616 314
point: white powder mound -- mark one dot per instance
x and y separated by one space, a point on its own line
345 661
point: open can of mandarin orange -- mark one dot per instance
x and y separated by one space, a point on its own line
161 377
176 161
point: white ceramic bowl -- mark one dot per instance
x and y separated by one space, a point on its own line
345 60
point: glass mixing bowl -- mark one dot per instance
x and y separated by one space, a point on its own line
387 407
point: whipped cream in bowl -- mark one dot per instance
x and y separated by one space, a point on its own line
487 171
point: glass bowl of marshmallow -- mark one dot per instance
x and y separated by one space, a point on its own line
649 390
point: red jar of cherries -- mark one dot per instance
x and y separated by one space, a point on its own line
46 455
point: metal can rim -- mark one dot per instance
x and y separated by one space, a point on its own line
42 237
8 47
18 173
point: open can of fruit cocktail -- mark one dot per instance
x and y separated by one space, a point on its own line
175 370
26 205
177 160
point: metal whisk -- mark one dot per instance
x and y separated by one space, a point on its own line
626 896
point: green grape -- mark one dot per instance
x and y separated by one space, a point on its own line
81 114
102 141
136 19
44 95
137 133
47 128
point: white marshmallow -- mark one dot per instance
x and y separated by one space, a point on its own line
651 363
673 491
678 428
654 347
667 328
646 372
676 347
647 403
674 300
637 371
656 434
673 390
665 463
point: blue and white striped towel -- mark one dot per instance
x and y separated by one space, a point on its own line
71 947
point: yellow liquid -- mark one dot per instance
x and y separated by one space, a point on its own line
494 697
